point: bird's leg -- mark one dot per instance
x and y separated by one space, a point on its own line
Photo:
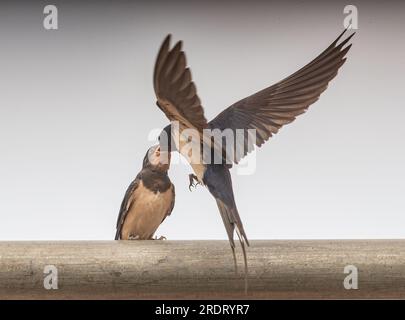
132 237
160 238
193 181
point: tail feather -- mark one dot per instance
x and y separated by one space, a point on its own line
242 243
232 222
117 234
229 230
219 182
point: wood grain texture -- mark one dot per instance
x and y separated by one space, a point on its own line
202 269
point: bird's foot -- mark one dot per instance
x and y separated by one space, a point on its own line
193 181
132 237
160 238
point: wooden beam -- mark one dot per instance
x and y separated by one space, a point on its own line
202 269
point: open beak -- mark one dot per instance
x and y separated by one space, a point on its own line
164 156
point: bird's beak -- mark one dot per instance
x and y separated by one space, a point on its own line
164 156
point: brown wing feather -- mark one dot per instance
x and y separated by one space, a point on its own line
172 203
269 109
125 206
175 91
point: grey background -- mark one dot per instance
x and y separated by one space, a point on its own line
77 104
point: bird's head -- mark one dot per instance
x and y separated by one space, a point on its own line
166 142
156 159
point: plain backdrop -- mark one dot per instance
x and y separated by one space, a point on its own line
77 106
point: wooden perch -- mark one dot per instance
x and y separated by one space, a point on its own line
202 269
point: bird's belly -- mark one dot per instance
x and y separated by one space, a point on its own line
146 214
191 150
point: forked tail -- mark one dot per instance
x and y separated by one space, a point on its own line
232 222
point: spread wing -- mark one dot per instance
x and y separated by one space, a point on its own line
268 110
125 205
175 91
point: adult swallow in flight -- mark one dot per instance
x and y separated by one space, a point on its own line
148 200
265 111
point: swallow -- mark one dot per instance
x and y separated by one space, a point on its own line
149 199
265 111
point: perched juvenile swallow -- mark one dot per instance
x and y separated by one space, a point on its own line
148 200
265 111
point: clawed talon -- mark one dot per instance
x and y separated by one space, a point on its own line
132 237
160 238
193 181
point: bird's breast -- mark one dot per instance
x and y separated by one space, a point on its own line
146 212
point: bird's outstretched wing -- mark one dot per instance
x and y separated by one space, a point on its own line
125 205
268 110
175 91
